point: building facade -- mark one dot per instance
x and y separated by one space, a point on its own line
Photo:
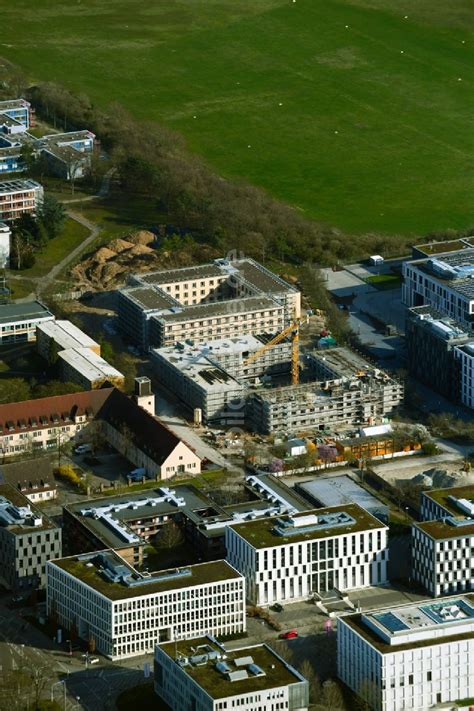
28 539
415 656
443 282
18 322
290 558
18 197
205 676
464 359
127 613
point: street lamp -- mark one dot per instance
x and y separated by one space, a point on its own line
56 683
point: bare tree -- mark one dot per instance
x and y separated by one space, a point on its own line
170 535
332 695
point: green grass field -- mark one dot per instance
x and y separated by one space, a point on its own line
353 113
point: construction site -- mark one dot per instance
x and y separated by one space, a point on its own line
231 367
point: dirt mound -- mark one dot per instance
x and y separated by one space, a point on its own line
103 255
141 237
120 245
140 249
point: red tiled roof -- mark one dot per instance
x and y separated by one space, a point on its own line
21 416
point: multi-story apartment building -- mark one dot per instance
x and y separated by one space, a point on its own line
213 301
443 282
205 676
127 613
414 656
28 539
18 197
291 557
18 322
443 554
346 390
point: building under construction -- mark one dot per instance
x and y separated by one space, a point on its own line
226 381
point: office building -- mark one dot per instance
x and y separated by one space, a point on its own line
205 676
413 656
443 282
225 299
18 197
127 613
464 359
437 504
28 539
291 557
18 322
432 340
16 116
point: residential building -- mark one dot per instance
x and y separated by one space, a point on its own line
55 336
16 115
344 389
32 477
68 155
46 423
89 370
5 237
291 557
413 656
18 322
205 676
128 521
339 490
225 299
431 340
127 612
442 554
18 197
444 282
28 539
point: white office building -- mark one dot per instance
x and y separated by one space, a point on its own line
127 613
291 557
414 656
443 555
205 676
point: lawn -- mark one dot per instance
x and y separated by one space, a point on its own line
358 112
385 281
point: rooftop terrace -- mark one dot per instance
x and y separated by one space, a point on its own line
244 670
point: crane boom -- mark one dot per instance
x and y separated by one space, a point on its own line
292 329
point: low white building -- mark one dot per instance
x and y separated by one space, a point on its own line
205 676
18 322
55 336
89 370
127 613
443 555
289 558
415 656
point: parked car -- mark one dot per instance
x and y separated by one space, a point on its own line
277 607
83 449
291 634
94 660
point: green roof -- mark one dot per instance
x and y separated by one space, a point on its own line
260 533
201 574
441 529
217 685
440 496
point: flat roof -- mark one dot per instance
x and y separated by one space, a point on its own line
172 276
336 490
216 308
269 533
18 186
446 497
409 626
269 671
89 364
67 334
89 568
347 364
450 527
199 368
19 501
149 298
262 278
27 311
454 270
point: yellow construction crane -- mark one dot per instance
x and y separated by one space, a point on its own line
294 330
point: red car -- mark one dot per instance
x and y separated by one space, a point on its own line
291 634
